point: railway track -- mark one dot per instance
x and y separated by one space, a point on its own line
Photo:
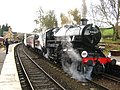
87 85
59 76
115 71
35 76
113 78
104 43
107 81
23 80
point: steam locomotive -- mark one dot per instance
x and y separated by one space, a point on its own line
72 44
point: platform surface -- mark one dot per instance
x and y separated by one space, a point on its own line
2 57
9 79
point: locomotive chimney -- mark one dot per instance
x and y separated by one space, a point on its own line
84 21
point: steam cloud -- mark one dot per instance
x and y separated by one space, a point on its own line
75 57
84 9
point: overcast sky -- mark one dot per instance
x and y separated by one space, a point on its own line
20 14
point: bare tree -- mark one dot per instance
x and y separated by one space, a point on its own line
38 21
109 12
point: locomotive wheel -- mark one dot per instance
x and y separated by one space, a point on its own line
66 63
113 62
44 50
79 67
98 69
109 66
85 70
89 62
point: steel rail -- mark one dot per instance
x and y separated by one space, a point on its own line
91 81
111 77
107 77
25 71
44 71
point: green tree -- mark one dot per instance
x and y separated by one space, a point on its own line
46 19
49 20
1 31
76 15
5 27
64 19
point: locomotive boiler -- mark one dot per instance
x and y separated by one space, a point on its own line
74 44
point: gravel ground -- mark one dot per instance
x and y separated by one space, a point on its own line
60 76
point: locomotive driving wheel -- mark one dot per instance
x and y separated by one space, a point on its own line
66 61
98 69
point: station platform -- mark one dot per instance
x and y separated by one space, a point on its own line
9 79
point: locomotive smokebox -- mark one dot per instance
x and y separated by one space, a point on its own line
84 21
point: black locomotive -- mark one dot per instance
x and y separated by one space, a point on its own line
73 44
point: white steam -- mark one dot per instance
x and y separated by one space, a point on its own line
84 9
71 68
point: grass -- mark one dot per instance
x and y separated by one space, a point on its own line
107 35
107 32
